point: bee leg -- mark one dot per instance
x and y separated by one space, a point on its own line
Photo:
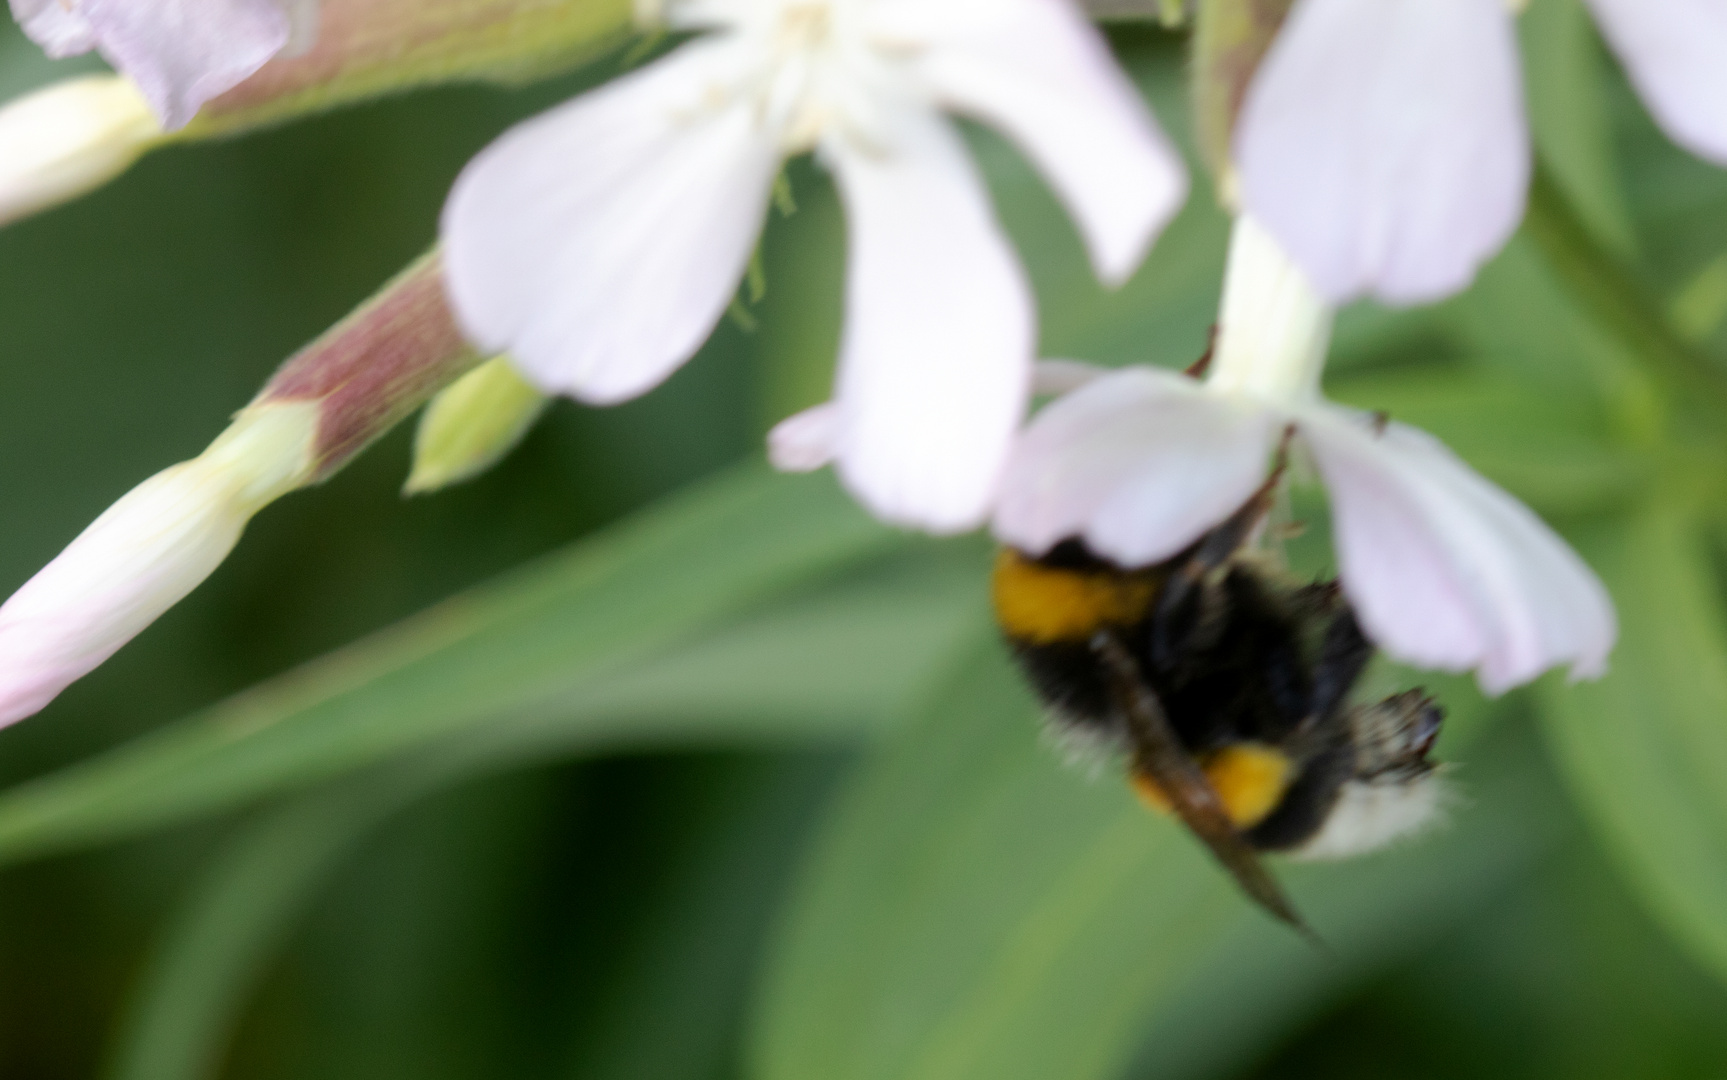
1160 757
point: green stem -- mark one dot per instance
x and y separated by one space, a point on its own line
1616 301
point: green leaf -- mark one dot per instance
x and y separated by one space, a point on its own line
688 963
668 1007
519 648
1563 68
975 909
1645 748
1254 987
192 992
824 663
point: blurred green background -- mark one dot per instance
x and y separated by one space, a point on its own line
719 779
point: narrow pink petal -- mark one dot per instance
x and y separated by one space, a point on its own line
182 53
1383 143
133 563
1446 570
1675 52
805 441
1140 463
1039 72
599 242
60 30
935 361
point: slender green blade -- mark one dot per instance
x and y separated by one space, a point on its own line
1645 748
975 909
1569 115
521 646
239 911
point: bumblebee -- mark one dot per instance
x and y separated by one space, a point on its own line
1224 685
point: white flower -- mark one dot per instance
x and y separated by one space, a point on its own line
1444 569
1383 143
598 244
181 53
68 138
145 553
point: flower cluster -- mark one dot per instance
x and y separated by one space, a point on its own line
1380 149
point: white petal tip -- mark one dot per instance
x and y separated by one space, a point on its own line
69 138
805 441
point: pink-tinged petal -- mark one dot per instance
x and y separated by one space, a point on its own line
132 564
182 53
599 242
1139 463
1039 72
935 360
1446 570
1675 52
806 441
302 26
68 138
145 553
60 30
1382 142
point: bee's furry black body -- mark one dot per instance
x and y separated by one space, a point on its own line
1238 657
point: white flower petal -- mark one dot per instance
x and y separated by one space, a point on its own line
60 30
806 441
1675 52
1052 378
1382 142
1039 72
182 53
1444 569
68 138
132 564
145 553
599 242
935 362
1140 463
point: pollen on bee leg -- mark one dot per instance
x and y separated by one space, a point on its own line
1249 778
1150 794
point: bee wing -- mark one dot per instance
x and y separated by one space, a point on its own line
1159 755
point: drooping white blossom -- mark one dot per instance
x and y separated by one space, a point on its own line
1444 569
599 243
1383 142
66 139
181 53
145 553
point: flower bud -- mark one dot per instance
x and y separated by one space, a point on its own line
471 425
69 138
327 403
145 553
